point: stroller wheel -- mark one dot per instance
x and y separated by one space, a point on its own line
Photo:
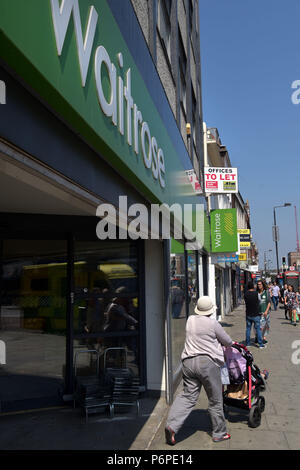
254 417
261 404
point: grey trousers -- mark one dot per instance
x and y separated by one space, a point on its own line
198 371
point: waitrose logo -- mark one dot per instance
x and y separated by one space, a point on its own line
224 230
118 100
217 231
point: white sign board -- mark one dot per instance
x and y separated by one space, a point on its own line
220 180
193 179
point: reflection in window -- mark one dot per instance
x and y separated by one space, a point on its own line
33 320
106 309
177 301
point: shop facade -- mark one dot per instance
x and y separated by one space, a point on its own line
86 121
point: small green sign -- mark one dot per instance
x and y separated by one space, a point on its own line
229 185
224 231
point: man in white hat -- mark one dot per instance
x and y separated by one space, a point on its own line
202 358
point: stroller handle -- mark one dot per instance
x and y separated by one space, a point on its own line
239 346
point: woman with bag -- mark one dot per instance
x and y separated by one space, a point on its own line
264 308
291 301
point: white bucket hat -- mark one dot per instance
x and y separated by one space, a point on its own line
205 306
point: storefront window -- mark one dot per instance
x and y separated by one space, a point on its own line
106 309
33 320
178 301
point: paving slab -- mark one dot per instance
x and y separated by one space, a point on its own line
258 439
284 423
293 439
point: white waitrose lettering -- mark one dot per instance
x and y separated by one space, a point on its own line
113 108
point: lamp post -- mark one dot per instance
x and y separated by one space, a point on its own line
275 235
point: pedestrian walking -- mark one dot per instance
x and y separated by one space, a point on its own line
202 359
298 306
291 302
270 285
283 294
253 315
264 308
275 295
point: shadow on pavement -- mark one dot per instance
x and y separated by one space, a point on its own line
65 429
198 420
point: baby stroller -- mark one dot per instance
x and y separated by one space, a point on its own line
245 383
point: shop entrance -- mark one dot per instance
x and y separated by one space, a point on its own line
59 297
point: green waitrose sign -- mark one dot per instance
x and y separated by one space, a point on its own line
224 231
74 56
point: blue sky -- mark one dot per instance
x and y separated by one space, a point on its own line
250 56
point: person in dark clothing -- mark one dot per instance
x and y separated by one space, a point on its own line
253 314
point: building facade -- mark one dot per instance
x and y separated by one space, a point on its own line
227 279
106 115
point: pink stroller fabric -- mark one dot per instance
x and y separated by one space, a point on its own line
236 365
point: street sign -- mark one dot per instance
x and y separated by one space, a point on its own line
275 233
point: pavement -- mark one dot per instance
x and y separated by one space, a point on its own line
64 428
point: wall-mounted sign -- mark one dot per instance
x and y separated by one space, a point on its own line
193 179
243 257
245 244
224 231
107 74
225 258
220 180
244 237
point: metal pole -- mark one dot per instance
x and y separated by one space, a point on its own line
276 242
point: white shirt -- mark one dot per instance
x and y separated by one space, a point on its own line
275 291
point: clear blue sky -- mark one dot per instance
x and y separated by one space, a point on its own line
250 55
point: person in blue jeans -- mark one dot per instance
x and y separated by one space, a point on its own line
275 295
253 315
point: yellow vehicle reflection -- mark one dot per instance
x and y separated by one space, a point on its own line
43 290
